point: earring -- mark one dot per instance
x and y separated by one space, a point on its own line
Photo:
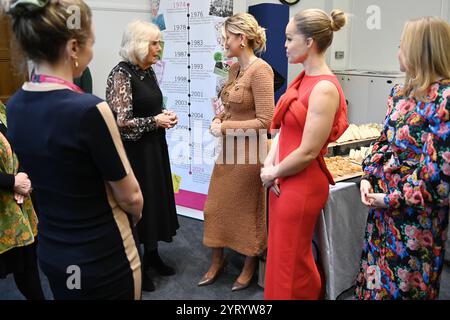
76 64
242 46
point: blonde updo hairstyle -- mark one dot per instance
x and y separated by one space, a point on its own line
246 24
316 24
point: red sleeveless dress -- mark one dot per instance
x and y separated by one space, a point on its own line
291 272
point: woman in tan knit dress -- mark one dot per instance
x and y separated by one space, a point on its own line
235 209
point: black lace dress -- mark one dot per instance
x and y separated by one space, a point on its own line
135 97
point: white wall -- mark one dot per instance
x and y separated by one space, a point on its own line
341 41
110 18
239 6
364 48
377 49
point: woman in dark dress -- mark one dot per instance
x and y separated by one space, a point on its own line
134 95
18 221
85 81
69 145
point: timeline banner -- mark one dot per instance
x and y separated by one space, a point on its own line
191 73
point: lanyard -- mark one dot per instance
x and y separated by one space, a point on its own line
41 78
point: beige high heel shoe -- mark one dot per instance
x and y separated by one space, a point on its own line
210 280
241 286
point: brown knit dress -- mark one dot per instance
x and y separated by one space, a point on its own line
235 212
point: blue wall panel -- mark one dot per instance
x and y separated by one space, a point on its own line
274 17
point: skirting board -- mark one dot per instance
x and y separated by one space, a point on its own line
190 213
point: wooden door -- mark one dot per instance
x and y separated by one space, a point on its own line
11 75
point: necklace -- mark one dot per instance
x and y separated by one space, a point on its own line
241 73
251 62
142 73
242 70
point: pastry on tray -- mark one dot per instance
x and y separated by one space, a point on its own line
340 167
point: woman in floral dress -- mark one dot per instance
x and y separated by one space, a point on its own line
18 221
407 177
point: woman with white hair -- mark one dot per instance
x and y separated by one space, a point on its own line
136 99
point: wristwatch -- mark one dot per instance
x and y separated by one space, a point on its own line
289 2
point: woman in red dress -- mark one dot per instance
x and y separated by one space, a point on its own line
312 113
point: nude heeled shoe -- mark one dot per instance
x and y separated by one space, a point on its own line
241 286
205 280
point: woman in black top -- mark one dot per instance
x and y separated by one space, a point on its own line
69 144
85 81
136 99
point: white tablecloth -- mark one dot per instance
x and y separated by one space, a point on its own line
340 235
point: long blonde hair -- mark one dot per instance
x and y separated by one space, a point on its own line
425 44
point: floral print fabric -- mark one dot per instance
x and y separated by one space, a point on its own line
404 244
18 223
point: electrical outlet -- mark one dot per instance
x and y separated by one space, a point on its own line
339 55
